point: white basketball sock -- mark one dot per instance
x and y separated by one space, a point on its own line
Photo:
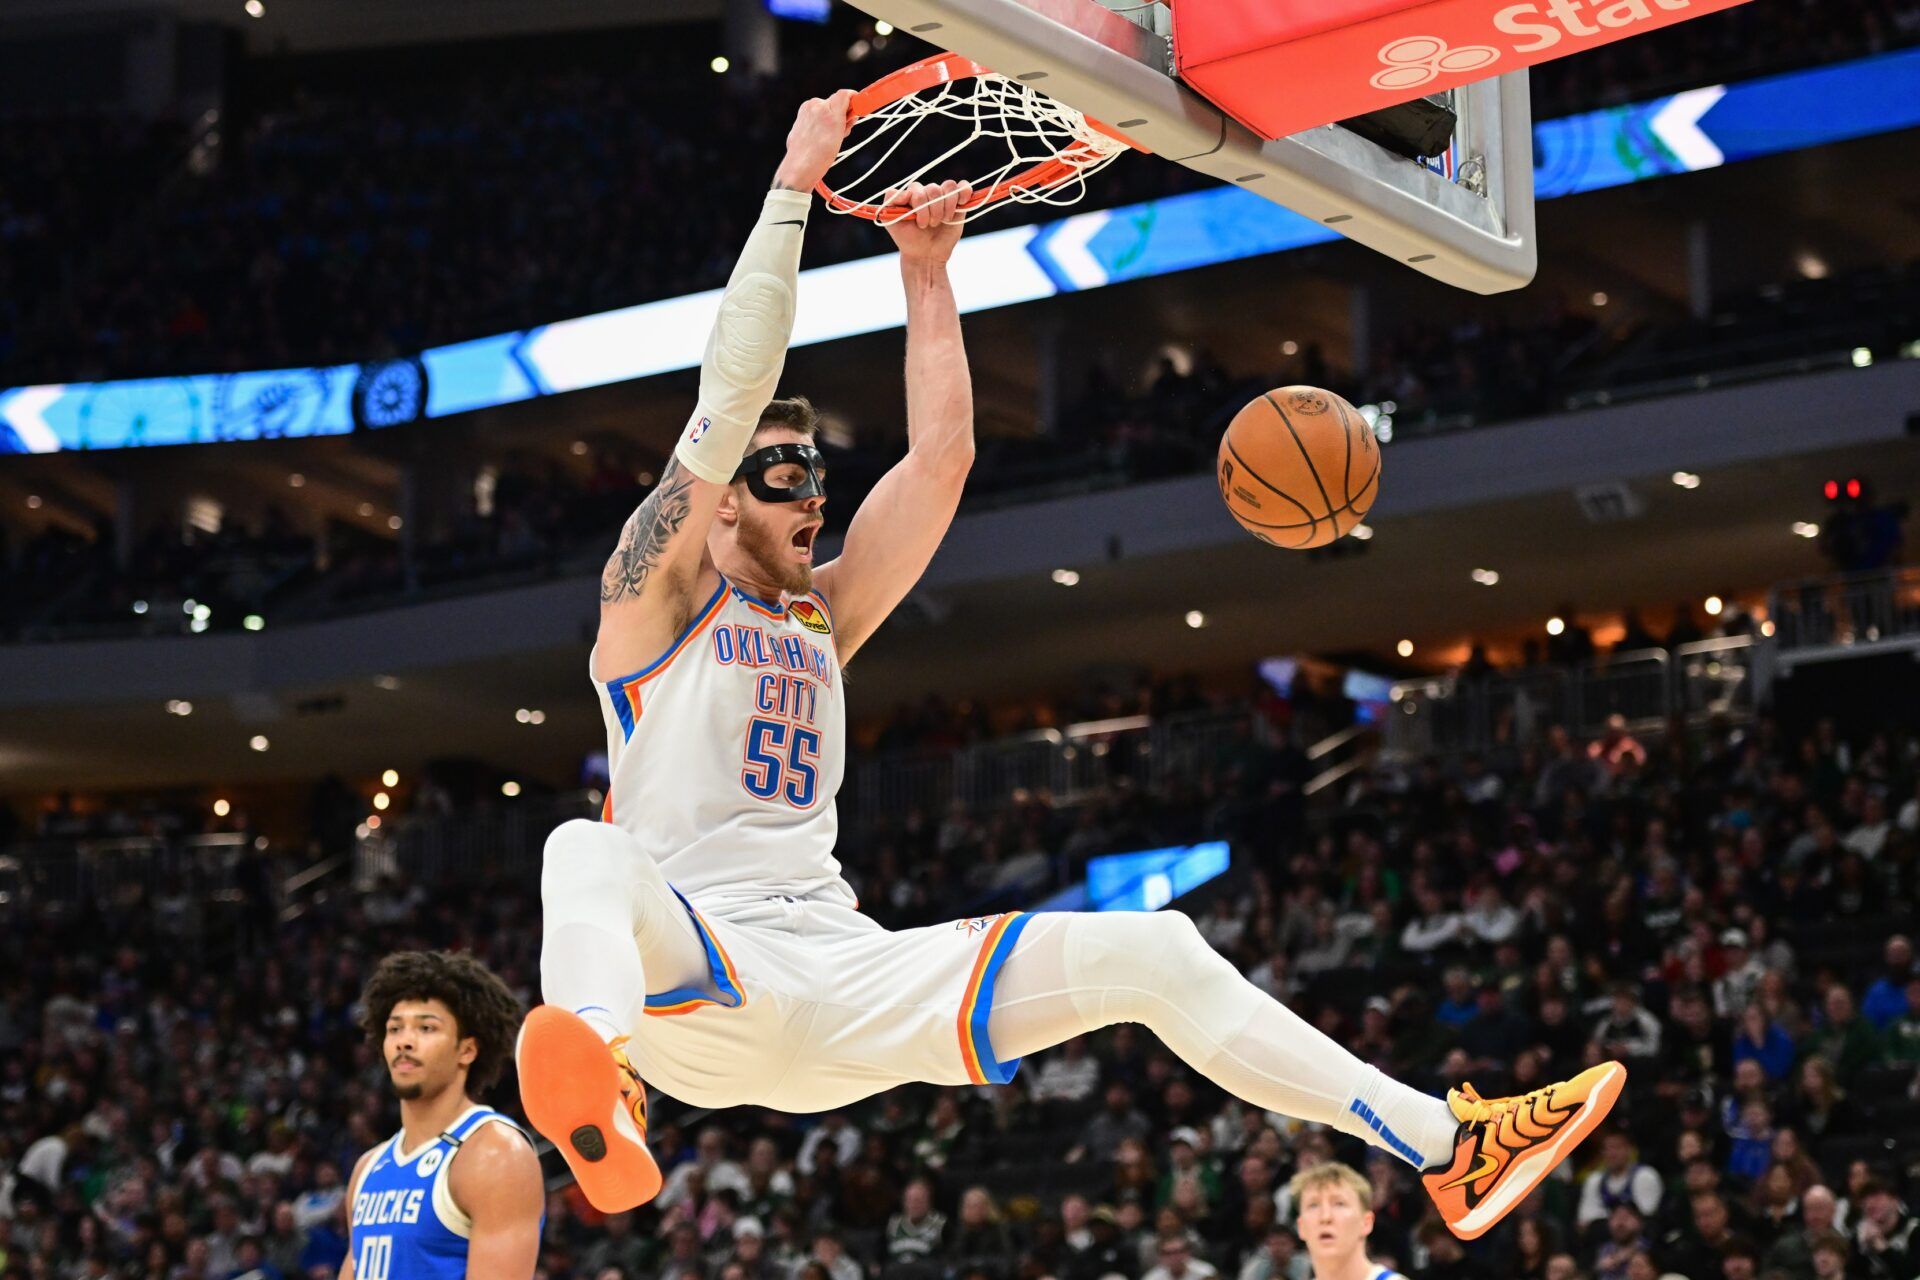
581 970
1076 972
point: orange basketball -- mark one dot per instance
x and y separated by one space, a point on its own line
1299 467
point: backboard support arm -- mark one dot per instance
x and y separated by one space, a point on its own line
1120 73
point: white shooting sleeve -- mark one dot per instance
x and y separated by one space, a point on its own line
748 345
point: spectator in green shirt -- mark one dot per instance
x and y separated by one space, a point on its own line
1844 1039
918 1231
1185 1164
1902 1036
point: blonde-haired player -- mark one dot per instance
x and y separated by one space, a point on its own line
1333 1216
701 937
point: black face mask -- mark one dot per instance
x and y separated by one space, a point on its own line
754 465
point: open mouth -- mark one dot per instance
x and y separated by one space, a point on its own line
803 539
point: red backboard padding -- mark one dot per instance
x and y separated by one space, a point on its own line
1280 66
1226 28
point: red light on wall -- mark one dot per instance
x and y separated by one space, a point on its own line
1853 488
1833 490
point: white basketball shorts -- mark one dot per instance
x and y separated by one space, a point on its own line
809 1006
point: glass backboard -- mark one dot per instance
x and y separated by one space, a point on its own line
1467 222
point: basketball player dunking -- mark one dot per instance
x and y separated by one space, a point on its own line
457 1193
702 938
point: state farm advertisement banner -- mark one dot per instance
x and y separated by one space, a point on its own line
1280 66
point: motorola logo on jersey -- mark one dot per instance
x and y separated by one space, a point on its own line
430 1162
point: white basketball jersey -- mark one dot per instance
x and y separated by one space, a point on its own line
724 755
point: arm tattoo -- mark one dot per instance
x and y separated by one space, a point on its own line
645 537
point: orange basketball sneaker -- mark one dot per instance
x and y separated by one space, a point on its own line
1507 1145
586 1097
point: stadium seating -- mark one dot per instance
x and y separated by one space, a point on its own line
198 1112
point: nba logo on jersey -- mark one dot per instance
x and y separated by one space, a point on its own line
698 429
808 615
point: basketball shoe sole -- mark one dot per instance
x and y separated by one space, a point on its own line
583 1095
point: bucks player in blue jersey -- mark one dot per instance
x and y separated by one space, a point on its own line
458 1191
1333 1214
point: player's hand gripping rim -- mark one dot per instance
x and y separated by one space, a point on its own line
925 219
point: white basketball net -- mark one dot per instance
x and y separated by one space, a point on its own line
1034 127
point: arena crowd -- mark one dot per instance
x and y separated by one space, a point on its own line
1729 911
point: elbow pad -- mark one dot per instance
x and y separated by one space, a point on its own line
748 345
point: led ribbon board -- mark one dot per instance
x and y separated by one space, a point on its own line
1143 881
1684 133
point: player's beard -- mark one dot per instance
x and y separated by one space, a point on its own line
412 1090
771 548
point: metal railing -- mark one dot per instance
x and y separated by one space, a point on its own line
1720 678
1634 685
1065 765
1834 616
106 872
200 892
1821 351
1338 755
1647 687
491 842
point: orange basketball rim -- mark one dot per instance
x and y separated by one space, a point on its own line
899 101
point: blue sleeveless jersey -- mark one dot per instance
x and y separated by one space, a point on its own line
405 1224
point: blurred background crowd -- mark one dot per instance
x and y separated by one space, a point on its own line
1729 911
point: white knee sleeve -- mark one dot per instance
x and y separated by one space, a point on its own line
587 874
594 873
1144 967
610 927
748 345
588 961
1074 973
